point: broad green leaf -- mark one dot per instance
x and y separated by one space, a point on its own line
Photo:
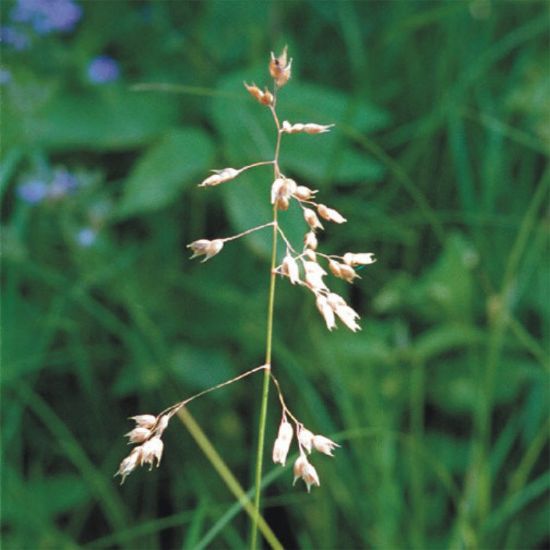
118 120
170 165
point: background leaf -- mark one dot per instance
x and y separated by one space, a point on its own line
170 165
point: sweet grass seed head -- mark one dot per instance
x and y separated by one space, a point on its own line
280 69
308 128
129 464
289 267
304 193
304 470
324 445
314 275
283 441
310 241
305 439
348 316
309 254
144 420
364 258
342 271
330 214
326 311
206 248
264 97
220 176
311 219
138 435
151 450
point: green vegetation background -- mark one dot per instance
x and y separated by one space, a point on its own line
438 162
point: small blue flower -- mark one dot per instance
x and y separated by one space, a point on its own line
103 69
63 182
53 186
14 38
86 237
33 191
47 16
5 76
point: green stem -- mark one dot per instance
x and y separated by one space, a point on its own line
265 388
269 340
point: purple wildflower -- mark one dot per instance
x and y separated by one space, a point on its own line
86 237
103 69
33 191
14 38
47 16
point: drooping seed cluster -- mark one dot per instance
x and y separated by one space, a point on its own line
147 435
148 430
303 268
307 442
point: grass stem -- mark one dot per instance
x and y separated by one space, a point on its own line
269 343
265 387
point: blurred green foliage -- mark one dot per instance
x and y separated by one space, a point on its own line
438 160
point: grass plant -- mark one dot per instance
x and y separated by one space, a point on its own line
300 267
109 118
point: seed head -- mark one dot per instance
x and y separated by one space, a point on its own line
324 444
310 254
144 420
162 424
330 214
311 219
314 275
308 128
282 443
348 316
364 258
152 450
342 271
265 97
281 192
129 464
220 176
303 469
289 267
326 311
279 68
305 438
276 189
335 268
138 435
335 300
206 248
304 193
310 241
